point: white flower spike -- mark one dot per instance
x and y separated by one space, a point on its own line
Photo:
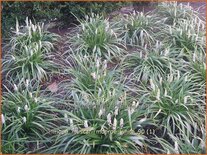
27 83
15 87
66 117
24 119
121 123
100 113
152 84
30 94
109 119
35 99
26 108
71 122
2 119
94 75
116 111
114 124
18 109
86 124
158 95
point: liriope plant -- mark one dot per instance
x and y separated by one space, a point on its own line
101 126
138 29
90 76
190 141
32 33
28 52
27 118
146 63
174 101
30 62
96 36
172 12
197 69
187 36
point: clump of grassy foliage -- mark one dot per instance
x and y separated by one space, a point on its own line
27 118
29 51
172 12
97 36
32 33
101 125
138 29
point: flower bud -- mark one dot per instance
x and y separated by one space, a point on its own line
178 73
140 54
99 92
71 122
86 124
26 108
158 95
66 117
185 99
145 46
132 111
105 64
30 94
2 119
137 104
24 119
165 94
15 87
157 44
166 52
170 78
116 111
121 123
100 113
97 63
170 67
152 84
109 119
133 103
18 109
194 57
94 75
186 78
35 99
176 147
160 80
114 124
27 83
83 27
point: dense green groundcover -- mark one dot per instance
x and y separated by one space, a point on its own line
134 83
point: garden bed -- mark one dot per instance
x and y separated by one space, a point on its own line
129 82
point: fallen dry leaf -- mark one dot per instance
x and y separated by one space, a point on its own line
53 87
